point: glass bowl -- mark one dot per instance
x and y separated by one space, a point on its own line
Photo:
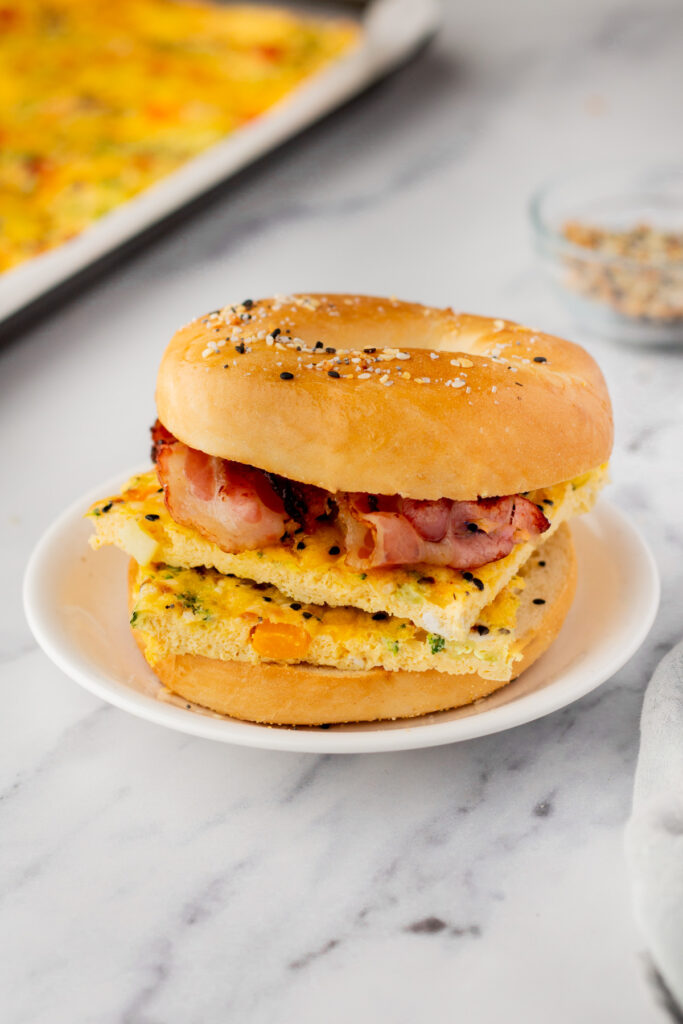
611 242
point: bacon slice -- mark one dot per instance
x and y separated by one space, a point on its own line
304 503
460 534
231 504
241 508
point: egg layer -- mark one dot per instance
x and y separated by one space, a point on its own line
436 599
99 100
197 611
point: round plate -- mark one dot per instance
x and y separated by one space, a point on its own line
76 604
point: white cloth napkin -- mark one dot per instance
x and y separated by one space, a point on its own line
654 835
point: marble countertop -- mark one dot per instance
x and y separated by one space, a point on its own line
152 878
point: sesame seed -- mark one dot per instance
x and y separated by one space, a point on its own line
364 376
152 516
369 351
286 375
295 606
403 355
433 355
539 600
478 583
334 550
330 350
333 373
540 359
380 616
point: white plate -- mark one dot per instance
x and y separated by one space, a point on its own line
391 31
76 604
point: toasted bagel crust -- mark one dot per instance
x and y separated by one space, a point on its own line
301 694
532 409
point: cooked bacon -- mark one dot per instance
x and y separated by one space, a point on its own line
460 534
241 508
160 437
303 503
231 504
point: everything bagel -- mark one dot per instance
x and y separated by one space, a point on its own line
353 393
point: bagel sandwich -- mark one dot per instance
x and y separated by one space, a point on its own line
358 508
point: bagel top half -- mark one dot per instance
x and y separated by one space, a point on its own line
355 393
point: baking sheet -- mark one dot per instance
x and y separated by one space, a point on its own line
391 31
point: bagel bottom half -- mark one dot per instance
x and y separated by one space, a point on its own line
302 694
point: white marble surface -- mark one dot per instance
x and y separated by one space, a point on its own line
150 878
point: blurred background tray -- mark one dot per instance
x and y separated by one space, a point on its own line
391 32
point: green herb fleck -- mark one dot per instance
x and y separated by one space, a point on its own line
192 603
436 643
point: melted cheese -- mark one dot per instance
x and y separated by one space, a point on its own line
436 599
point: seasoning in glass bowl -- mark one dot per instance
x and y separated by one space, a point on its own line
610 243
638 270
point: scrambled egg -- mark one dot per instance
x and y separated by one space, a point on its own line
197 611
436 599
101 98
